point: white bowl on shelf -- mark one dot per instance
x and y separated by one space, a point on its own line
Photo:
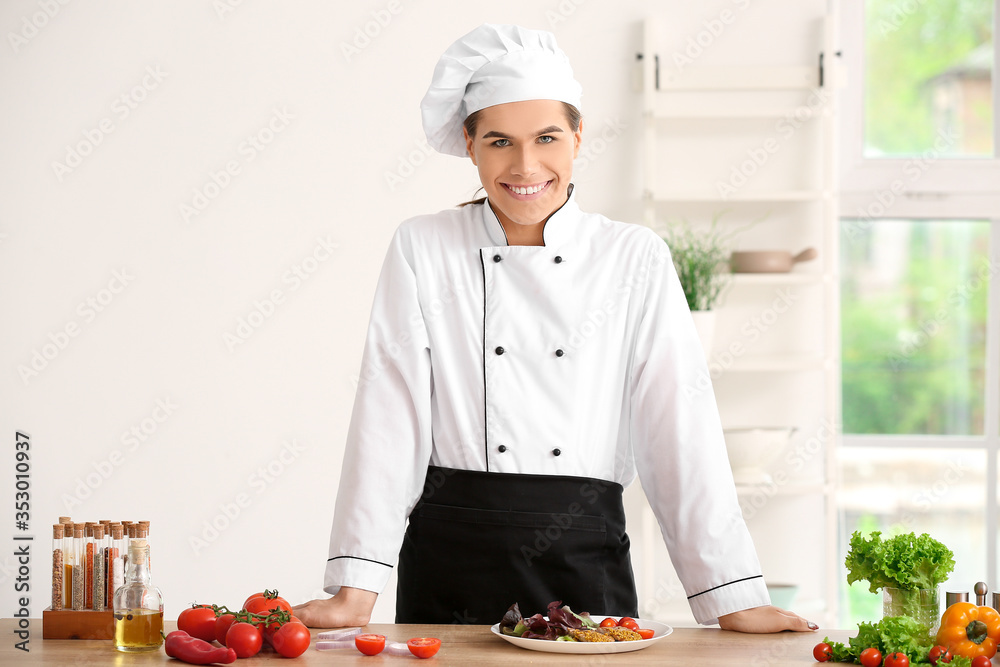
752 450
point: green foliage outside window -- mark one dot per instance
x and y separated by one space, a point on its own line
913 338
908 47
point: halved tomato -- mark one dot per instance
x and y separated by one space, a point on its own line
609 623
424 647
646 634
370 644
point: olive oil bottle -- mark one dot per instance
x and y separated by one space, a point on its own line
138 605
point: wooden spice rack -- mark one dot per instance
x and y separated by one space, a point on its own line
77 624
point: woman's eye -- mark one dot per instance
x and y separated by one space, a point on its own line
546 139
500 143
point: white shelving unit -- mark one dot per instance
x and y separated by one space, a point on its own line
704 99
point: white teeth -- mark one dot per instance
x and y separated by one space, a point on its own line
527 191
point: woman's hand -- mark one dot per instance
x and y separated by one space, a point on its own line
765 619
348 608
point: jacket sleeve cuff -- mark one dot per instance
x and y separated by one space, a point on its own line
354 572
727 598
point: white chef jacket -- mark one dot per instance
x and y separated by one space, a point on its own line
488 357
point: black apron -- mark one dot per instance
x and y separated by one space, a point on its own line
477 542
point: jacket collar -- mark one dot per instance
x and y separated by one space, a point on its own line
558 228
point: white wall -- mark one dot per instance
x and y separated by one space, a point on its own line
202 78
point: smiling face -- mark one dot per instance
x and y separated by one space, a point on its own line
524 152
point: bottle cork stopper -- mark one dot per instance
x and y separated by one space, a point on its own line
57 531
78 530
131 531
65 519
137 551
142 532
116 531
98 532
89 529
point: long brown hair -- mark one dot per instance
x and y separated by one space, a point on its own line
573 115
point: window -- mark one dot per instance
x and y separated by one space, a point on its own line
920 282
928 78
913 326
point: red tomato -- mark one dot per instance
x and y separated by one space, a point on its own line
198 622
609 623
896 660
291 640
981 661
646 634
222 624
259 603
939 654
424 647
628 622
245 639
259 595
370 644
822 652
268 629
871 657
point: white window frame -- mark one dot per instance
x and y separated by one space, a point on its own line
946 188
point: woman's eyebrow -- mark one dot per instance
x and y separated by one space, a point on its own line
500 135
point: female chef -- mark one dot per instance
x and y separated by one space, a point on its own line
524 361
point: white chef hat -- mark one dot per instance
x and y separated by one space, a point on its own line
493 64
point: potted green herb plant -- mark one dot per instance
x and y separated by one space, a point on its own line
700 257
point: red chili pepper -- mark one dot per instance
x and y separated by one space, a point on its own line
194 651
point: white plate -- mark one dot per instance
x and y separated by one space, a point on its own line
660 631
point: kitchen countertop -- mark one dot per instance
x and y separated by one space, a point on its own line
461 645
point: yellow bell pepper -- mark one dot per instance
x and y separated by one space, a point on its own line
970 631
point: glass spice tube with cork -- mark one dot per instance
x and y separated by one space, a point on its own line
119 549
89 564
142 533
67 548
98 590
107 563
78 565
58 568
127 535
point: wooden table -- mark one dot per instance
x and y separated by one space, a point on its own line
462 645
